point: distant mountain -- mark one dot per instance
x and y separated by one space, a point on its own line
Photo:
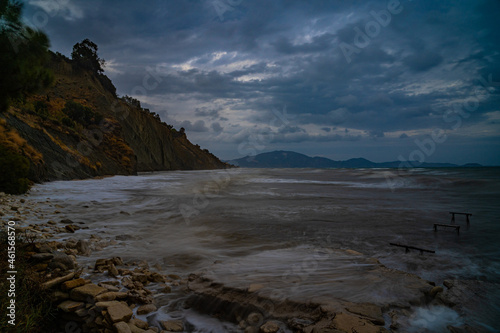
290 159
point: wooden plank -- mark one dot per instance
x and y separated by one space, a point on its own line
408 247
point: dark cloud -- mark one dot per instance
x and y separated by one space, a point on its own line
219 67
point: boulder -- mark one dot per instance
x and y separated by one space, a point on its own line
119 312
70 306
71 284
39 257
86 292
173 325
63 261
369 310
112 271
269 327
82 246
122 327
145 309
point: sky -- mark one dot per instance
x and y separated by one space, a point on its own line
383 80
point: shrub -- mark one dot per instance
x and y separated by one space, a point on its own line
14 170
81 114
41 108
68 122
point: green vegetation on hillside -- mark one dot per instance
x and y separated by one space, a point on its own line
13 172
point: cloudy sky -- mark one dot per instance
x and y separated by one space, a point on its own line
384 80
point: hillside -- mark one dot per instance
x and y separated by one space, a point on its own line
290 159
79 128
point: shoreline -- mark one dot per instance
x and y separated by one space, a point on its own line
111 294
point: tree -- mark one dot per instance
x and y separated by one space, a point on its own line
85 55
23 56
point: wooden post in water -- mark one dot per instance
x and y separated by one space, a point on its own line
466 217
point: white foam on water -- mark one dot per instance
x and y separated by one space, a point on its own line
434 319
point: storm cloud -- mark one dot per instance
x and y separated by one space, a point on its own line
225 70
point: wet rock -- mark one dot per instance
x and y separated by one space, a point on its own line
58 296
140 296
174 276
254 287
70 306
448 284
124 237
70 228
145 309
173 325
67 221
349 323
112 271
269 327
68 285
107 296
435 290
82 246
119 312
86 292
109 287
107 304
43 248
166 289
62 261
39 257
139 323
122 327
371 311
134 329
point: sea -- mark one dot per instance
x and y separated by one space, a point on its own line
304 234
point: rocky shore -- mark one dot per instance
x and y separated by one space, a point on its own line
113 295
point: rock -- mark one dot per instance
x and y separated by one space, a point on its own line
139 323
122 327
349 323
105 305
134 329
42 257
70 228
67 221
140 296
145 309
83 247
43 248
448 284
57 281
435 290
109 296
63 261
109 287
117 261
119 312
174 276
100 262
173 325
166 289
58 296
371 311
269 327
254 287
112 271
68 285
124 237
142 278
86 292
70 306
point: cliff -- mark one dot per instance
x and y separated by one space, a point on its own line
79 128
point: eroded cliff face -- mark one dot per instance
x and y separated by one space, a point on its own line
127 140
